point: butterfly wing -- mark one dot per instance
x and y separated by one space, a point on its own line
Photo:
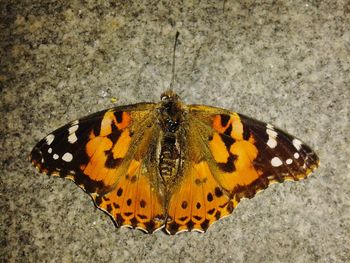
198 201
231 157
109 155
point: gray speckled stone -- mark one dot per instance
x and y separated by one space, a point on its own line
287 62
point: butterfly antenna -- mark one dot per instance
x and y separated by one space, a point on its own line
173 66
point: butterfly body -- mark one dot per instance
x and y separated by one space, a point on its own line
170 165
172 120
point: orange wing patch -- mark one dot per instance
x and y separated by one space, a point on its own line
134 202
107 148
233 154
198 202
230 125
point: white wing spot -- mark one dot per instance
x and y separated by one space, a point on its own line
297 144
272 143
67 157
269 126
296 155
271 133
275 162
73 128
289 161
55 156
74 122
49 139
49 150
72 138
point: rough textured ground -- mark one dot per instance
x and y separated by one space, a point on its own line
287 62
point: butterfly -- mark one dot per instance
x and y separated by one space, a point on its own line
169 165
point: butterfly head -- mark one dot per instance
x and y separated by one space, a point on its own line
169 95
171 111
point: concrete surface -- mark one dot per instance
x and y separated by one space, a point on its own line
287 62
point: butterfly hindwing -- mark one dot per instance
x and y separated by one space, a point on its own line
135 201
198 201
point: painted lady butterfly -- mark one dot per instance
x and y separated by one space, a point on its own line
171 165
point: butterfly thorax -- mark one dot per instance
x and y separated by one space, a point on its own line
172 113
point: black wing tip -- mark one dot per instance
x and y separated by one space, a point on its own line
35 157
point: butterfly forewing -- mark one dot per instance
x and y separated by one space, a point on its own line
248 154
281 156
107 154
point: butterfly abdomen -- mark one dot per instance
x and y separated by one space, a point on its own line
169 157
